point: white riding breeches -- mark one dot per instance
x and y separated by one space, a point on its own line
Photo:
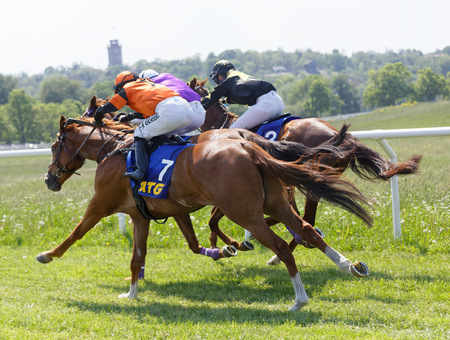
268 106
173 114
197 120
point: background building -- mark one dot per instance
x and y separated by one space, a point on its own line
114 53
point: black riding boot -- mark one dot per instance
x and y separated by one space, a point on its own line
140 153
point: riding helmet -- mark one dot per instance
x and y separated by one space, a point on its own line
221 68
123 78
150 74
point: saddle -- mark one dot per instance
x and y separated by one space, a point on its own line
151 145
283 116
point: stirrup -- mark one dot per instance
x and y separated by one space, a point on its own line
137 175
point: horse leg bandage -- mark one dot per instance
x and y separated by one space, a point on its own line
214 253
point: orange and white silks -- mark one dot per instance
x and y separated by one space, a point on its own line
142 96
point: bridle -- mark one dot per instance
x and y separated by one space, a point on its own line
60 168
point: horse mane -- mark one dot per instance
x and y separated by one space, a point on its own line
112 125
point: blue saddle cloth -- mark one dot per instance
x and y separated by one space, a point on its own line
271 129
159 172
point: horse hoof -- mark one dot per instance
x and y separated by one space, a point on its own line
359 269
42 258
298 305
309 245
229 251
246 245
274 260
125 295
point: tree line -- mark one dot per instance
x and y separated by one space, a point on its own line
312 85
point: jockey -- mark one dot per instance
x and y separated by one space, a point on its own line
240 88
164 111
185 92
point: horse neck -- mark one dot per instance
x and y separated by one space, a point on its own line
94 143
217 117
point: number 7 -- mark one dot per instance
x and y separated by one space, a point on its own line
163 171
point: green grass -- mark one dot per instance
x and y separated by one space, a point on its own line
192 297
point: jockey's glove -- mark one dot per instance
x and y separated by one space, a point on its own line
98 116
119 116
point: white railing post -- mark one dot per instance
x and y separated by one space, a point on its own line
122 223
395 196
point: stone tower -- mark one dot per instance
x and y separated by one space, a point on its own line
114 53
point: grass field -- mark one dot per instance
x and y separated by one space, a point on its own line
192 297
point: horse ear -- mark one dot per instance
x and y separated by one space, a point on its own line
202 83
62 124
107 99
193 83
93 102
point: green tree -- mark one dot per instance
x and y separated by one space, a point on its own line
48 116
300 89
337 61
7 129
21 114
387 85
7 84
56 89
347 92
320 98
102 90
429 85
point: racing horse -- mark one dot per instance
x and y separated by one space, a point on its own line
311 132
236 176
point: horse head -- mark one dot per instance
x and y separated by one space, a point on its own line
65 158
93 105
198 87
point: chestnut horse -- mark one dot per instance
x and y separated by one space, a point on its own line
236 176
310 132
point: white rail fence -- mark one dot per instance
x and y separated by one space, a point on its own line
379 135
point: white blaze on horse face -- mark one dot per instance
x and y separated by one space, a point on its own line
301 298
339 259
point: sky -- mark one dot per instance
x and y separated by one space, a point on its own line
37 34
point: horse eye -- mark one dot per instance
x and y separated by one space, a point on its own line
53 150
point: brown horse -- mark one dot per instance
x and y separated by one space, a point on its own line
311 132
236 176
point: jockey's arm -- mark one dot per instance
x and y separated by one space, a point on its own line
120 100
219 92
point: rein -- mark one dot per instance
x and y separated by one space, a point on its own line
61 169
225 115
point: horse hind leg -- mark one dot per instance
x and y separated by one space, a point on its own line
310 235
269 239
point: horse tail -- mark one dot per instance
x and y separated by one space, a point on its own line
369 164
314 180
289 151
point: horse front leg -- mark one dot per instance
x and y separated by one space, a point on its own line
185 224
216 215
140 236
91 217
